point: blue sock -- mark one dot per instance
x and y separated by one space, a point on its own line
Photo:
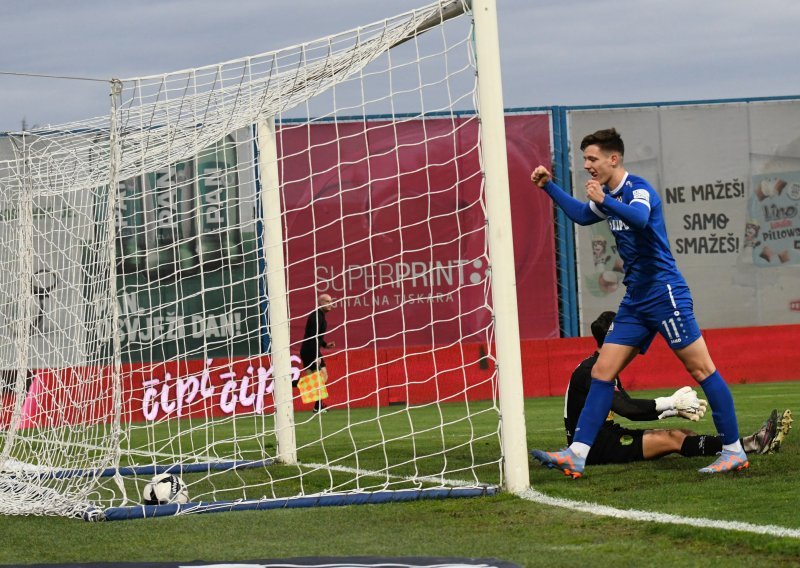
722 410
595 411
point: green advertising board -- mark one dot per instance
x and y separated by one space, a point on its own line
187 271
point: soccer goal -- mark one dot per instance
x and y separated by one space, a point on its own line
160 269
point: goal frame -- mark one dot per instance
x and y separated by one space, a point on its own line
504 334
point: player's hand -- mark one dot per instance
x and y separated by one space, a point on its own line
669 402
540 176
683 403
697 414
685 399
594 191
668 414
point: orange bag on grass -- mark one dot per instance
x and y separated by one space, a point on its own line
312 387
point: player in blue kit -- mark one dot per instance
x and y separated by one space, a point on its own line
657 300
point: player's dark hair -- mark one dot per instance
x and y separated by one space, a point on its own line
600 326
607 140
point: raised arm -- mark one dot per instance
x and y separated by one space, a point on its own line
578 211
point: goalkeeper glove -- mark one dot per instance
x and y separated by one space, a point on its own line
683 402
696 414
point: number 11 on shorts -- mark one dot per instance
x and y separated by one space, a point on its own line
673 335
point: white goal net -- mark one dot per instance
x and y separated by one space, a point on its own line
172 276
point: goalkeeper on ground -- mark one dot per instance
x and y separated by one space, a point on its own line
615 444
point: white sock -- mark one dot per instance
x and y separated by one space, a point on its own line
735 447
580 449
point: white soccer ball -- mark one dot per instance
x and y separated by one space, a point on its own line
165 488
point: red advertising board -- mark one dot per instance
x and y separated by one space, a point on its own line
367 377
151 392
388 217
237 387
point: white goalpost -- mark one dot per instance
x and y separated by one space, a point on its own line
165 272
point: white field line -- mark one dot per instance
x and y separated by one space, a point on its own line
634 515
596 509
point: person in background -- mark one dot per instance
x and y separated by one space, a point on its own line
314 342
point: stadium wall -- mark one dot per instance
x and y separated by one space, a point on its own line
742 354
382 377
386 376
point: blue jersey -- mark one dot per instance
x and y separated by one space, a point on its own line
645 252
657 298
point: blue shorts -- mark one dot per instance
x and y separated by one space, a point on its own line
661 308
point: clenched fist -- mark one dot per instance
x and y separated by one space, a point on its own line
540 176
594 191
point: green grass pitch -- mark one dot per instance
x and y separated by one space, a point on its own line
503 526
